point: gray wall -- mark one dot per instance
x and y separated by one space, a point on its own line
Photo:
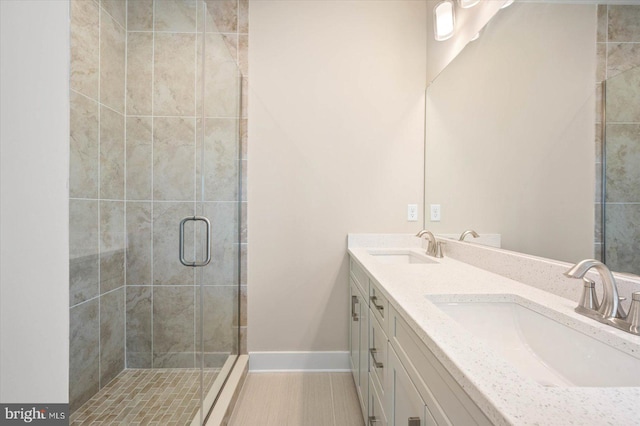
97 193
34 167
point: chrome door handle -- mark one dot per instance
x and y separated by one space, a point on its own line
376 363
373 419
208 246
373 300
354 302
414 421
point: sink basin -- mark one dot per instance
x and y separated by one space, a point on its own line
547 351
404 257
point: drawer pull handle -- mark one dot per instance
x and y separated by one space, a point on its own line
378 307
376 363
414 421
373 419
354 302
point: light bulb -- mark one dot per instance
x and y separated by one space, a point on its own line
443 20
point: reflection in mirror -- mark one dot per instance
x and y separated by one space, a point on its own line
511 125
622 171
510 132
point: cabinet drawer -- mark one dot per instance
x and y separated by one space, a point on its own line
379 304
359 276
444 397
377 353
376 415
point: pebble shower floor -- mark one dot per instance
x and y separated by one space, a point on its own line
146 397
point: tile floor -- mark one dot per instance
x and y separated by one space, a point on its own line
297 399
160 397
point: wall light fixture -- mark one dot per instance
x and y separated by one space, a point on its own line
465 4
443 20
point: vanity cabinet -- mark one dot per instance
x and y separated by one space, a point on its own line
376 415
379 304
377 352
445 400
405 405
399 380
359 333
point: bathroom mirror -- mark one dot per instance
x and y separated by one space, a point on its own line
513 128
620 234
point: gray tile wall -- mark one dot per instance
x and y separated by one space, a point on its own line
618 62
173 158
96 190
137 144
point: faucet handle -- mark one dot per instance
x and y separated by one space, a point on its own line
589 299
440 249
620 313
633 318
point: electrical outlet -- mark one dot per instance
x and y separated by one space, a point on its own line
435 212
412 213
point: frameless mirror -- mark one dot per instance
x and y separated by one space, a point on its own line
513 129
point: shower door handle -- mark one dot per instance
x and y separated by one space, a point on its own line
208 250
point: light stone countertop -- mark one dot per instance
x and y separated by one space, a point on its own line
504 394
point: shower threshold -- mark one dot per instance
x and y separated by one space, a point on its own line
168 396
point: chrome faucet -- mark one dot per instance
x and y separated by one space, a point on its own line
471 232
610 299
434 248
610 311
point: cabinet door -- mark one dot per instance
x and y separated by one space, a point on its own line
377 350
354 333
364 353
405 407
376 415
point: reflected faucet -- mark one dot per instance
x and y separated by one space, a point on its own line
471 232
434 248
610 311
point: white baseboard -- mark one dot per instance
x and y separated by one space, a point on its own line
298 361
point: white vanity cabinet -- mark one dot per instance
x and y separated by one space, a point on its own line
399 380
378 344
359 333
405 406
445 400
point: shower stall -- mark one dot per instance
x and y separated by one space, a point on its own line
156 211
621 182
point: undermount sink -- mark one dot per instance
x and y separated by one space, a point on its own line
402 257
547 351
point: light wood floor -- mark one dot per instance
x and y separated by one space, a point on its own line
298 399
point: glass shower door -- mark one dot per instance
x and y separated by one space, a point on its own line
154 107
218 196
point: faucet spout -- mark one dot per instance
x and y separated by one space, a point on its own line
431 248
471 232
610 300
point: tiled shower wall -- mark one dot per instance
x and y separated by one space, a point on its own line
618 51
97 193
164 101
132 194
